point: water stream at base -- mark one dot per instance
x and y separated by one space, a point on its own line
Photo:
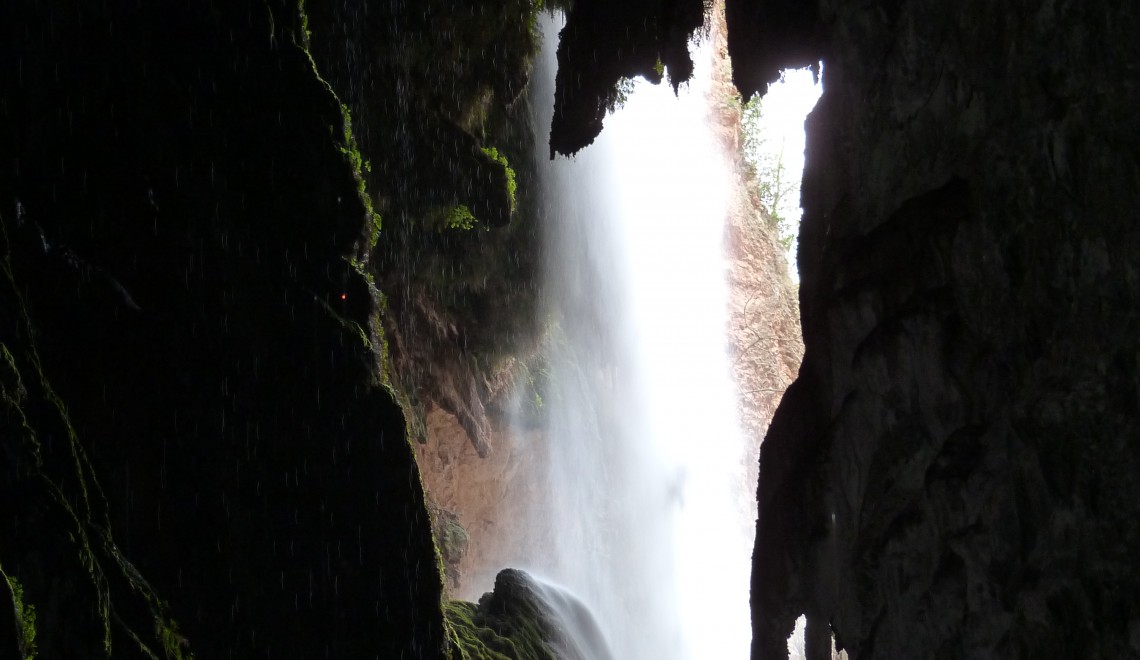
645 477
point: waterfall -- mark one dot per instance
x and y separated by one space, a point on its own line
646 512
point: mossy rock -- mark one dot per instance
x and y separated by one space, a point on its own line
524 619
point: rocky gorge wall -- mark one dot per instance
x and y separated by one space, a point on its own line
489 499
954 473
764 339
225 256
197 455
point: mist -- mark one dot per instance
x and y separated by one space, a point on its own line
647 502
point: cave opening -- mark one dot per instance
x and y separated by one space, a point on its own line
774 141
258 259
645 475
671 332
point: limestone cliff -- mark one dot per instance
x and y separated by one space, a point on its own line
764 330
485 501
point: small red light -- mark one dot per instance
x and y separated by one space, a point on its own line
344 296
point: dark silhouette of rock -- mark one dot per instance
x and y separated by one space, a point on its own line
954 474
197 454
604 42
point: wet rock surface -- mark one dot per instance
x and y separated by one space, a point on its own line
524 618
442 114
487 500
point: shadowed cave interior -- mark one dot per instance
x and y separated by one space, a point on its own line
245 245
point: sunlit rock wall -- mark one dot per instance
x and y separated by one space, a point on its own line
954 474
485 501
764 336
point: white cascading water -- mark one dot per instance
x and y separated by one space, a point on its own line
644 517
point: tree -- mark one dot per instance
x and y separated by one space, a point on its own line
779 189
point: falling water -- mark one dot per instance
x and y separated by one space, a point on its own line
645 518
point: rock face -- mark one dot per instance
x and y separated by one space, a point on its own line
489 497
494 494
437 93
197 457
606 41
764 330
954 473
523 619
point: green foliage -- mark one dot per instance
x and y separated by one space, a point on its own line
473 637
306 33
534 380
460 217
348 146
764 154
469 641
622 90
512 184
172 641
25 618
85 510
360 166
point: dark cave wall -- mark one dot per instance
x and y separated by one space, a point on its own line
442 112
197 456
955 474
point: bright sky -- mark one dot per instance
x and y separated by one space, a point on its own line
785 106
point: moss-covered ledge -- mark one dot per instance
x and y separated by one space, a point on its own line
524 619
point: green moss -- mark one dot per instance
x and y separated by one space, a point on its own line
25 617
460 217
306 33
512 184
172 641
384 353
348 146
469 641
88 516
454 538
474 637
360 166
348 324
